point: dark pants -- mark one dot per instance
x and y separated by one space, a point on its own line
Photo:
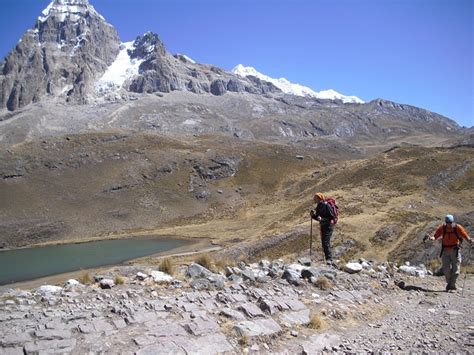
326 233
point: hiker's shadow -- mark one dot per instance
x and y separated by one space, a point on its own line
406 287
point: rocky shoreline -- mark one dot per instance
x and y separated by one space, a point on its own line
265 307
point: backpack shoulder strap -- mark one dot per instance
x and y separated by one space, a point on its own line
455 227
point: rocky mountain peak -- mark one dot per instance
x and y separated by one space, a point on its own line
146 46
70 46
64 10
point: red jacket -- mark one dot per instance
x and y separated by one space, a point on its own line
450 239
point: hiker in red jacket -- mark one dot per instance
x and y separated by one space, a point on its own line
452 234
326 215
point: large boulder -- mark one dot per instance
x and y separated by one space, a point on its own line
197 271
218 87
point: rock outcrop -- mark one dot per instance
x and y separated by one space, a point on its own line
332 311
160 71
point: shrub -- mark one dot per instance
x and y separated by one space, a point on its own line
85 278
119 280
433 264
467 269
221 263
323 283
167 266
244 340
204 260
315 322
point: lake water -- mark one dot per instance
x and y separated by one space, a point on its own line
32 263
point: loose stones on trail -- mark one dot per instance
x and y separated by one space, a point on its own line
211 316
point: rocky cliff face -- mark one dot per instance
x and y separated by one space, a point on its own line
69 46
160 71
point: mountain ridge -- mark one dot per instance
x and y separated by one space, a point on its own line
295 89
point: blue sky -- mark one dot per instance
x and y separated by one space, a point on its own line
417 52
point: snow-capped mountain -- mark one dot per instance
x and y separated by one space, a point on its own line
295 89
68 49
72 10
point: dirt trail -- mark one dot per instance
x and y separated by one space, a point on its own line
423 317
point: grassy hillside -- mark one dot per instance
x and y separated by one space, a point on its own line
114 184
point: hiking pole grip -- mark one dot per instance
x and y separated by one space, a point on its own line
426 237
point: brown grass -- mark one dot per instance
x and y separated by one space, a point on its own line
10 298
85 278
204 260
226 326
286 247
323 283
467 269
119 280
433 264
244 340
167 266
316 322
221 263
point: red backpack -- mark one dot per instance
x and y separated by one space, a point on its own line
333 208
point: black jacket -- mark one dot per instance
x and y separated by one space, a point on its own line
324 211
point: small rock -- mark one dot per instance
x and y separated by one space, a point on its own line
352 268
159 276
141 276
71 282
305 261
45 289
106 284
200 284
197 271
248 274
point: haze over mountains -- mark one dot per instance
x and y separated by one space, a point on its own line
109 138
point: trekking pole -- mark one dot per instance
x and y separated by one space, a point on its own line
311 238
465 272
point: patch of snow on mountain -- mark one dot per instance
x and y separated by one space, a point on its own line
295 89
67 8
120 70
187 58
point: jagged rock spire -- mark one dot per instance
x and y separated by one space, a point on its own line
70 46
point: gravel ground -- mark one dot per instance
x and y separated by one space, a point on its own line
424 318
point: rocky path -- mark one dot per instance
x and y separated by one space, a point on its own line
270 307
428 320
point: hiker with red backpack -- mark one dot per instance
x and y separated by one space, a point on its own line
326 213
453 235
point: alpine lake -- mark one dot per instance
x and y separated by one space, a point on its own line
31 263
